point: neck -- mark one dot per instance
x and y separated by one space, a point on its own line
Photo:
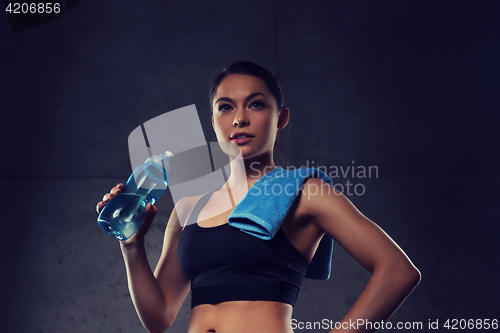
247 171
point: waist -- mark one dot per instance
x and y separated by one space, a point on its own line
242 317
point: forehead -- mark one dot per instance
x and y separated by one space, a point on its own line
240 85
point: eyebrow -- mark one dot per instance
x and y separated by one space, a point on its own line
249 97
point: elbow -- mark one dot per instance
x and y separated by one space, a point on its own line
162 323
416 276
401 274
167 326
158 327
409 276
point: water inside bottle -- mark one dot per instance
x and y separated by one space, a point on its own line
122 216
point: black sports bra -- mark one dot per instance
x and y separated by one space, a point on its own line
227 264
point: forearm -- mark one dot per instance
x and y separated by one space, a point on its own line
385 292
144 289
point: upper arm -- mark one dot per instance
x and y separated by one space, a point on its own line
335 215
172 279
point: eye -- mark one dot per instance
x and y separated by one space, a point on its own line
224 107
256 104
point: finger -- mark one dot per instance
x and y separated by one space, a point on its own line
115 190
107 197
119 185
151 211
147 221
100 205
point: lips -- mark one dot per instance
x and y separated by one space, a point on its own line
241 137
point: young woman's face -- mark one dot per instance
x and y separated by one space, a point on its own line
245 113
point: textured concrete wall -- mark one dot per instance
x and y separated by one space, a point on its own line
408 86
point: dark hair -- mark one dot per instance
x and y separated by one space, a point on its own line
250 68
272 83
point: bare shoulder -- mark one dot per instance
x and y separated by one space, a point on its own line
317 187
184 207
317 193
309 207
329 209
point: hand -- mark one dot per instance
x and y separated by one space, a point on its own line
151 211
108 196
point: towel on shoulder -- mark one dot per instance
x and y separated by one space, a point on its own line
264 207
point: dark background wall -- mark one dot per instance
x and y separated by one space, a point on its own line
408 86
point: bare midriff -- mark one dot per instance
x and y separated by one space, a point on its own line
241 317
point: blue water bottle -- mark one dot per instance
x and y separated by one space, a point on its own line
122 216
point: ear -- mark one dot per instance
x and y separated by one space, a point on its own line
283 118
212 121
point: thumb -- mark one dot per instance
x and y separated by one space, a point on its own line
151 211
147 220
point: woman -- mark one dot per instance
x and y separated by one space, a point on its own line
248 111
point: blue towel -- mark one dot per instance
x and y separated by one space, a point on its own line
264 207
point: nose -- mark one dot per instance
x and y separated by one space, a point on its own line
240 118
